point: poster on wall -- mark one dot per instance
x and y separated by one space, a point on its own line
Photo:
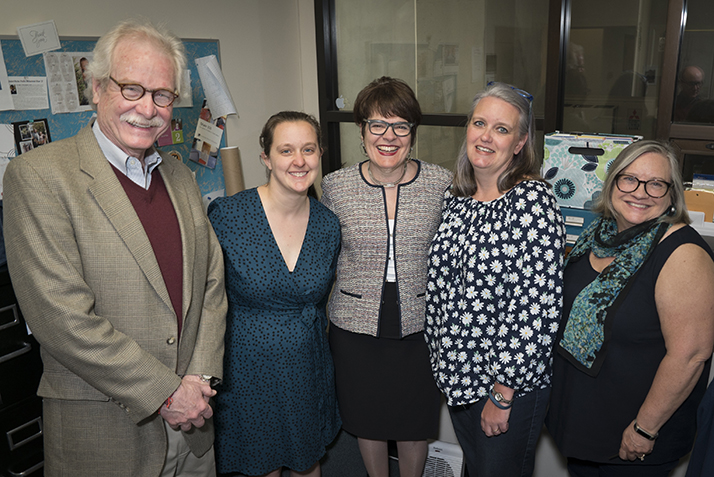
68 80
29 92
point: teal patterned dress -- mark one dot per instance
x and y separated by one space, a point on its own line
276 406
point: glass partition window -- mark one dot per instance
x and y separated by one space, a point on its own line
446 50
693 102
614 66
350 143
374 38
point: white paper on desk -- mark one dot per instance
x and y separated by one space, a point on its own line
214 84
29 92
39 38
5 97
7 149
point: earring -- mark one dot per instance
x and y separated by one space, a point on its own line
409 156
364 150
672 210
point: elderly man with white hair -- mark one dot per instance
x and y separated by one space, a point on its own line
120 276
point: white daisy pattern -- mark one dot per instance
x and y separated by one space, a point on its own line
494 293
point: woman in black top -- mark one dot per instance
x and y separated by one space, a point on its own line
638 325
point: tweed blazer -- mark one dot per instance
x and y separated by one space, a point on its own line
362 264
91 290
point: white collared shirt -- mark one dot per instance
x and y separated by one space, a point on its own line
128 165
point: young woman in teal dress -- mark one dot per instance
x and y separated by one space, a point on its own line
276 406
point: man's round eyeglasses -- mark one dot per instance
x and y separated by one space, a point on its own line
162 98
379 127
654 188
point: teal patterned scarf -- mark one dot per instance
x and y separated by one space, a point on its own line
587 330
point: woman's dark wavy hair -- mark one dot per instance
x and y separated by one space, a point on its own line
525 164
387 97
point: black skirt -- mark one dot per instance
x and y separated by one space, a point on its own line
385 389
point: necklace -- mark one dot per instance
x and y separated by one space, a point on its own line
387 185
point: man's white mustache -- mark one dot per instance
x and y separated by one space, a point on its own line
139 121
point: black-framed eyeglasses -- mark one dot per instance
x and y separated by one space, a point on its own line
162 98
654 188
379 127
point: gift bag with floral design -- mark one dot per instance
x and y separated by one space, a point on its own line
576 164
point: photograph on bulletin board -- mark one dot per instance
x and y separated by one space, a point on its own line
31 134
207 139
82 77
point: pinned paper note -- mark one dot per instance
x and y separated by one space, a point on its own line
215 87
39 38
29 92
186 99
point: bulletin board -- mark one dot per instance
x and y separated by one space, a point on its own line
65 125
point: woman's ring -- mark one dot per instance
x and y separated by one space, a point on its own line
642 457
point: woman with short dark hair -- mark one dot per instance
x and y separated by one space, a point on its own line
389 208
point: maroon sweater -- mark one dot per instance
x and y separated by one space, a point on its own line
158 217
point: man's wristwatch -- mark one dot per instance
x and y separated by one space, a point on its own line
210 380
644 433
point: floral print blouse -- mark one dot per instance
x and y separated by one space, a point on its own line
494 292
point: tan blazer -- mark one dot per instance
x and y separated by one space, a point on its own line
91 290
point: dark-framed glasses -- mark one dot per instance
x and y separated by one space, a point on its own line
162 98
654 188
379 127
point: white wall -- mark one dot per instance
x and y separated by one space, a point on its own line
267 50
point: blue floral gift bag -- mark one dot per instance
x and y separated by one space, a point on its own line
576 164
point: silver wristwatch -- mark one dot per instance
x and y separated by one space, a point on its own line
499 397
